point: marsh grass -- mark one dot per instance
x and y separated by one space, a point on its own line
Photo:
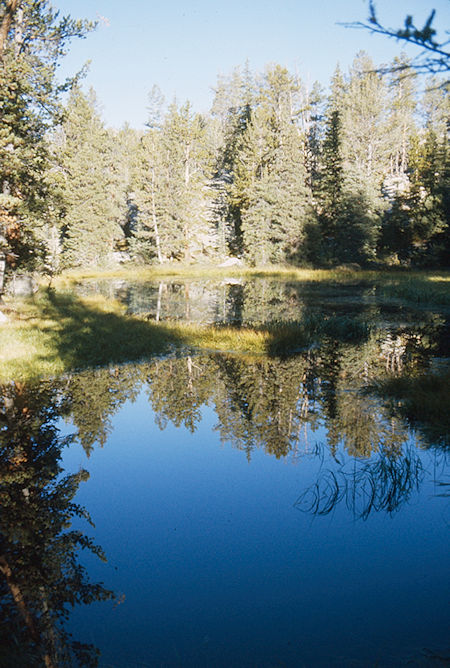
415 287
204 272
423 400
57 331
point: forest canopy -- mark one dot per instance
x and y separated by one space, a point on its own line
277 172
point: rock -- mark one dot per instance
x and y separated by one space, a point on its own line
22 285
231 262
120 257
348 267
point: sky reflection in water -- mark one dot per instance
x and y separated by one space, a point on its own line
220 566
259 511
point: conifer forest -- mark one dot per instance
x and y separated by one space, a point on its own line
277 172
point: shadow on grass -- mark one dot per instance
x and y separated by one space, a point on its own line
66 333
86 335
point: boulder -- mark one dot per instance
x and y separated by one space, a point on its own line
22 285
348 267
231 262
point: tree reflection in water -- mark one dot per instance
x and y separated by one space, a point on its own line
330 391
41 576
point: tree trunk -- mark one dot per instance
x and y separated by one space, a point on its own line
2 272
155 221
7 19
158 304
18 598
18 32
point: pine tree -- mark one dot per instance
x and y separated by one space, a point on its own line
86 158
366 142
173 189
232 107
416 227
270 181
396 235
401 125
33 38
355 150
148 239
330 190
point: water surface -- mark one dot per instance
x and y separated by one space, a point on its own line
254 511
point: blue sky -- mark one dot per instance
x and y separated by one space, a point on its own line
182 46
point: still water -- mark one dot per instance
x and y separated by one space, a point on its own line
254 511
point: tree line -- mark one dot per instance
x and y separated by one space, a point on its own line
275 172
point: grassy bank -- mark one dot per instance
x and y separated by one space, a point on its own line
203 272
419 287
56 331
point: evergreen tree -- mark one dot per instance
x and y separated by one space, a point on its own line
232 107
330 190
148 241
401 125
354 158
33 38
432 175
366 142
40 573
270 180
92 212
397 235
416 227
173 184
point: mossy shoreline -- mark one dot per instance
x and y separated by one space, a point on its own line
56 331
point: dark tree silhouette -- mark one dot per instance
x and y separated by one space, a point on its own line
433 56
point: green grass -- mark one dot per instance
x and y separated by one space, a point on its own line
56 331
424 400
419 287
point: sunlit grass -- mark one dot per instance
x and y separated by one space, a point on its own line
57 331
205 272
440 278
225 339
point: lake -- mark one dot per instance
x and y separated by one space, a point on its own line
253 510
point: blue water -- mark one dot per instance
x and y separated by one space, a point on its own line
218 565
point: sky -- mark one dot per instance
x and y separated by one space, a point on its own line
182 46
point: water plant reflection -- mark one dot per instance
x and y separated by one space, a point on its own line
41 577
382 484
